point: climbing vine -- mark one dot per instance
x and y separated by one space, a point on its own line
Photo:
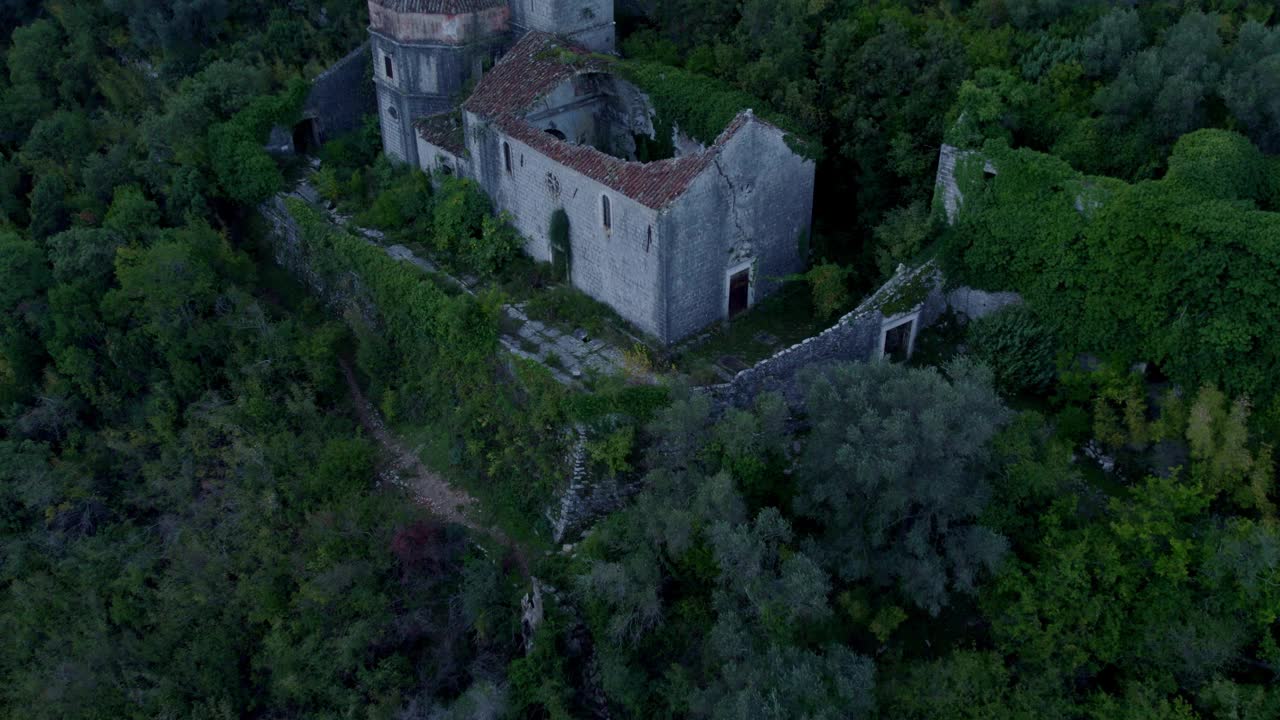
1179 271
702 107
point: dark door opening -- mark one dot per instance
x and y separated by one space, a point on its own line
306 139
739 292
897 342
555 133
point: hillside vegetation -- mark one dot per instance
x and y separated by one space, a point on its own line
1067 509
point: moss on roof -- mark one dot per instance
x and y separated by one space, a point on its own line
703 106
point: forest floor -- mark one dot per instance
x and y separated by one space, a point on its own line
404 468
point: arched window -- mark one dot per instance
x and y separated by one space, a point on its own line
606 215
506 156
555 133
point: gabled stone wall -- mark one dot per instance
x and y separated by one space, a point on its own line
341 96
752 206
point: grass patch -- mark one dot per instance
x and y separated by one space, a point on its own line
568 309
787 316
939 342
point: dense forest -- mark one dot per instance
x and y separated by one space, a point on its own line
1067 509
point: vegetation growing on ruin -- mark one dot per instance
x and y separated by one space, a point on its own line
194 524
1177 271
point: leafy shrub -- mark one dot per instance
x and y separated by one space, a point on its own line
828 283
1163 271
327 184
459 214
404 205
355 149
494 249
613 450
904 232
571 306
1220 163
1018 349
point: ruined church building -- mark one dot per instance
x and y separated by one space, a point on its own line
672 245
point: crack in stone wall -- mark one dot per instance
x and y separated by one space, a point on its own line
733 199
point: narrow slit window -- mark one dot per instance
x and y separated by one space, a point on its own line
605 215
387 68
506 156
648 239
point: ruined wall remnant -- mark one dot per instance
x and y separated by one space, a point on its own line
913 295
341 96
946 187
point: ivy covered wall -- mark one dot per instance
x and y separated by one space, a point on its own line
1183 271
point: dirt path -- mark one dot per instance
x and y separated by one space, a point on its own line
405 469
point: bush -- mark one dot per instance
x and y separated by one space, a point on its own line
1018 349
459 214
571 306
404 205
355 149
1221 164
496 247
904 232
828 283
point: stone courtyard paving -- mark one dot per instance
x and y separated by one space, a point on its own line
569 356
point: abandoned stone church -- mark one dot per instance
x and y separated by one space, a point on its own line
673 245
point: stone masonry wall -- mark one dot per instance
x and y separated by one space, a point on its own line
946 189
426 79
340 293
617 267
857 336
588 23
973 303
754 204
341 96
587 496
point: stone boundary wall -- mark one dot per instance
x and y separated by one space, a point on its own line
588 496
857 336
973 303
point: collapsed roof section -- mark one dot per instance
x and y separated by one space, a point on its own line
538 64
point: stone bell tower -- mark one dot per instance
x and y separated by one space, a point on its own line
424 52
588 23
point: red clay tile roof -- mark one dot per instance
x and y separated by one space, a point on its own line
532 69
443 130
438 7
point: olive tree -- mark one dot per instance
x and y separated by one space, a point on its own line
894 475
